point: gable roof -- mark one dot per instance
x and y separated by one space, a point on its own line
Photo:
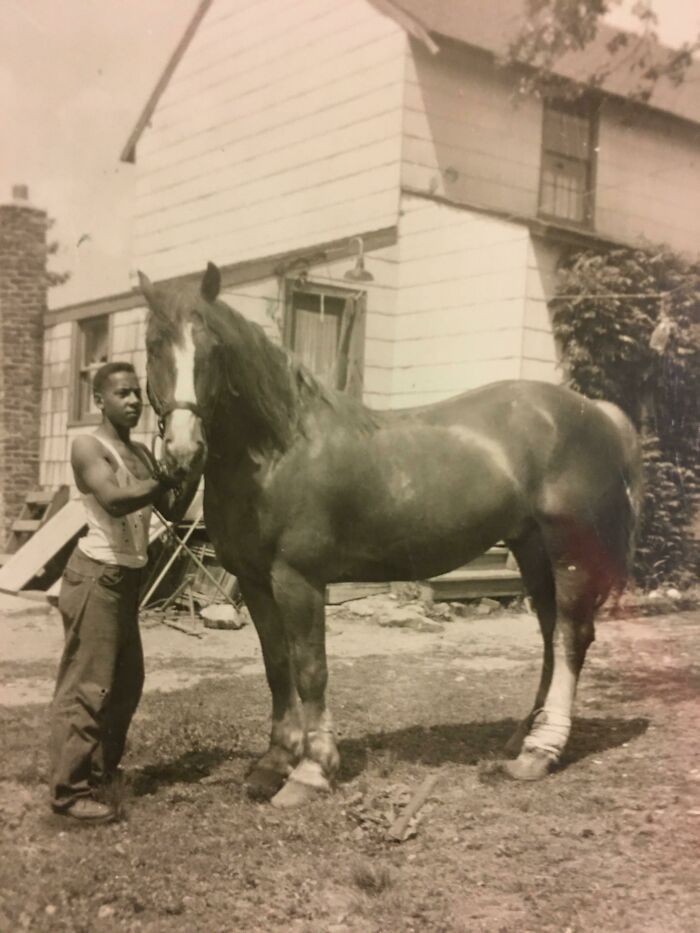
493 25
485 25
128 153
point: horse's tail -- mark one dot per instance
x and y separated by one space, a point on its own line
633 479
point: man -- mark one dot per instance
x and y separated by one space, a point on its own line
101 672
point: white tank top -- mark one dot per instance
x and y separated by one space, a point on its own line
124 540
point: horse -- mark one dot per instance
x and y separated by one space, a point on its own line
305 486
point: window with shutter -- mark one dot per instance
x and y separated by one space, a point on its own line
324 328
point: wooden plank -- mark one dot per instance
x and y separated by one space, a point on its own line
343 592
48 540
39 497
25 525
464 584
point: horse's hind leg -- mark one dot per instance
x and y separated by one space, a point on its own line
302 606
538 579
269 773
577 593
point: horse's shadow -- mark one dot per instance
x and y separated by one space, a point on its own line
454 743
472 742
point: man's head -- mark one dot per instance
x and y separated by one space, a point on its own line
117 394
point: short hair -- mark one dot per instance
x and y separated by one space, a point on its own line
102 375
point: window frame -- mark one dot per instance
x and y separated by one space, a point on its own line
310 287
588 108
78 418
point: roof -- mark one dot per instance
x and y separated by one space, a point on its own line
485 24
493 25
128 153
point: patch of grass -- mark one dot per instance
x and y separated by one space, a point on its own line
372 878
381 762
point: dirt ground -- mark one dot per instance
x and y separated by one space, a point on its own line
609 842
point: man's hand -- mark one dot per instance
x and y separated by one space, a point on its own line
164 478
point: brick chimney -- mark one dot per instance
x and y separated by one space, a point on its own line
23 291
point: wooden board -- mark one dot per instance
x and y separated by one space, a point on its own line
41 547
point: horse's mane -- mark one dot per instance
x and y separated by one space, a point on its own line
277 390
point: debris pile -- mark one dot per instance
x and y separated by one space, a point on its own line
392 813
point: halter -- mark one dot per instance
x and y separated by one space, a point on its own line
178 406
168 410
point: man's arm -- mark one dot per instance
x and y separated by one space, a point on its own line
93 474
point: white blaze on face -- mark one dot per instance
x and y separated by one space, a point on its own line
182 421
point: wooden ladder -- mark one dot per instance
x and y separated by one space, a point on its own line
38 507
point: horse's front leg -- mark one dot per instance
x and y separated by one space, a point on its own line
302 606
269 773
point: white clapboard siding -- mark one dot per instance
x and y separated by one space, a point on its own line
460 301
286 37
280 128
237 143
272 232
245 89
334 156
278 102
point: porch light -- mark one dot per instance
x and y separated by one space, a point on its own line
358 273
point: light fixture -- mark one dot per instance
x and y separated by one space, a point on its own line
358 273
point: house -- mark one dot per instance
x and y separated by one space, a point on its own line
293 142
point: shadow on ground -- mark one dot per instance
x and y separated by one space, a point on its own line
670 684
454 743
469 743
189 768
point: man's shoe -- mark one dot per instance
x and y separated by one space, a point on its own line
88 810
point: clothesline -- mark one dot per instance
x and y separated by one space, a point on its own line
657 295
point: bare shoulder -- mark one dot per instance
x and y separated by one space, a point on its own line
86 447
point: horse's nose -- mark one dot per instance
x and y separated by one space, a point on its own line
184 455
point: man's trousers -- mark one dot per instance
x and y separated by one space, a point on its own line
100 677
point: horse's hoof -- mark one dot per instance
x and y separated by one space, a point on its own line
263 783
530 765
296 794
514 745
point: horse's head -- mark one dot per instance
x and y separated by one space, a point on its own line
179 349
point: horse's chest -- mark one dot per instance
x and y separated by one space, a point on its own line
232 516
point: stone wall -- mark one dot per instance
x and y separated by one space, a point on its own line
22 307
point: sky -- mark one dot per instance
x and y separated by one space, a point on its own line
74 77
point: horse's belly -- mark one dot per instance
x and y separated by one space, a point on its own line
423 530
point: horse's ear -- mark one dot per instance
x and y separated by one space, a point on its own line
147 288
211 282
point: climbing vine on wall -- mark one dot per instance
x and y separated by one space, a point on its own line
626 321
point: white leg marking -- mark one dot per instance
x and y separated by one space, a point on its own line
550 731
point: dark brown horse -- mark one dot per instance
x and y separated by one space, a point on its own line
304 487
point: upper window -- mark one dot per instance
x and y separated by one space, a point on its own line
568 161
325 331
92 351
